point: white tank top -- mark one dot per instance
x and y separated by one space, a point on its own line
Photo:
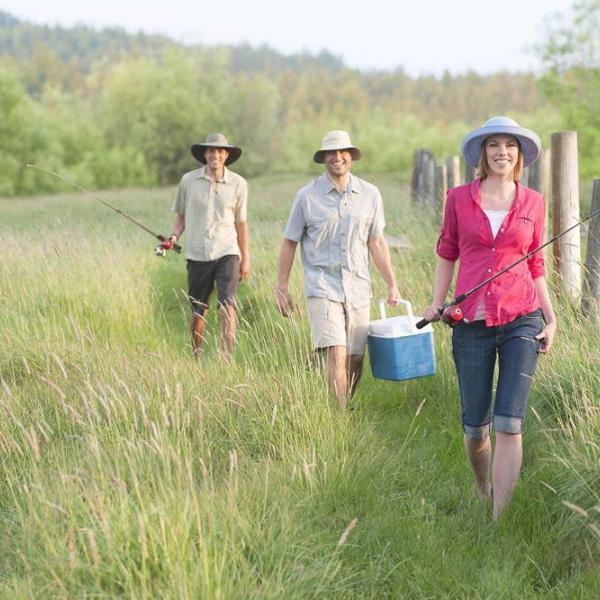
495 217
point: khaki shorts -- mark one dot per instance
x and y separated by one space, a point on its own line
338 324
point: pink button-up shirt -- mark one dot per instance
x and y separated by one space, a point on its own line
467 235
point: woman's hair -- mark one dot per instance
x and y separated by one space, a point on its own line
483 168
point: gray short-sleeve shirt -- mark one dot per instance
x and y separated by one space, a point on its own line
211 210
333 229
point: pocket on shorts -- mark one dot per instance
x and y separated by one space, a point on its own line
531 325
533 318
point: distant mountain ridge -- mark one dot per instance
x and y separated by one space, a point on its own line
82 46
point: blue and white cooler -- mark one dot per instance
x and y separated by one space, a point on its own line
397 349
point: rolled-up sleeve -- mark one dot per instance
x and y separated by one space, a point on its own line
378 222
241 206
179 202
447 244
536 263
295 225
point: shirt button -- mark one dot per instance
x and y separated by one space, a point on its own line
488 293
489 270
494 249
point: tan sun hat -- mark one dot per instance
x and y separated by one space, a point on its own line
215 140
336 140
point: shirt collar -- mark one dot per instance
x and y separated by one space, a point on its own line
476 193
225 179
326 186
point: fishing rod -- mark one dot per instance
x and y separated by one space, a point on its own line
451 313
165 243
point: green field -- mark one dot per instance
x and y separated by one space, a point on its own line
128 470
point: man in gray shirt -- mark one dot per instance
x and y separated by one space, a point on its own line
211 205
338 219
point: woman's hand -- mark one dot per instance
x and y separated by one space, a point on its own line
546 337
431 313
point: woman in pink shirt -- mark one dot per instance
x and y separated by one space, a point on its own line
488 224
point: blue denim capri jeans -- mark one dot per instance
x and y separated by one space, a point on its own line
475 348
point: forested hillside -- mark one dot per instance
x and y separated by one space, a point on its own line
57 55
118 109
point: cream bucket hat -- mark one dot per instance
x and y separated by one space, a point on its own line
336 140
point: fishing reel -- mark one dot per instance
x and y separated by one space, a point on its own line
451 314
161 249
166 244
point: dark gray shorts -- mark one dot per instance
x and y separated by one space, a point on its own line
202 276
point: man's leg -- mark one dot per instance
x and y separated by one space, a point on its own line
228 330
337 378
227 278
357 329
328 332
200 286
198 327
354 367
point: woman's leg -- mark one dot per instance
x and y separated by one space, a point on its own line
474 350
517 353
508 457
479 453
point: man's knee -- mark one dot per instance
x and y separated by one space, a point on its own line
355 361
336 358
198 320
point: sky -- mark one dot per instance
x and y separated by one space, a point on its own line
424 37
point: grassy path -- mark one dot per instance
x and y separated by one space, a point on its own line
128 471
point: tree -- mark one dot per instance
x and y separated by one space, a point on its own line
162 105
24 137
571 55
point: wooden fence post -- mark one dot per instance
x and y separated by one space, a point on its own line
591 294
441 189
428 181
423 179
565 202
469 173
415 175
453 171
539 173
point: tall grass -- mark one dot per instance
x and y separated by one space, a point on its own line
129 470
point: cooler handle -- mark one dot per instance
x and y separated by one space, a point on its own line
409 312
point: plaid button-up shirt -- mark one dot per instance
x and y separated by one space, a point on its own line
211 210
333 229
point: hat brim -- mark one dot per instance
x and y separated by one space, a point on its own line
529 141
319 156
198 151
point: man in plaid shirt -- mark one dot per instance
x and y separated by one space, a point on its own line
211 205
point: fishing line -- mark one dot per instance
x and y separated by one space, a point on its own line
160 250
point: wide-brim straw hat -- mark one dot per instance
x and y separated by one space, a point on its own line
215 140
528 140
336 140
